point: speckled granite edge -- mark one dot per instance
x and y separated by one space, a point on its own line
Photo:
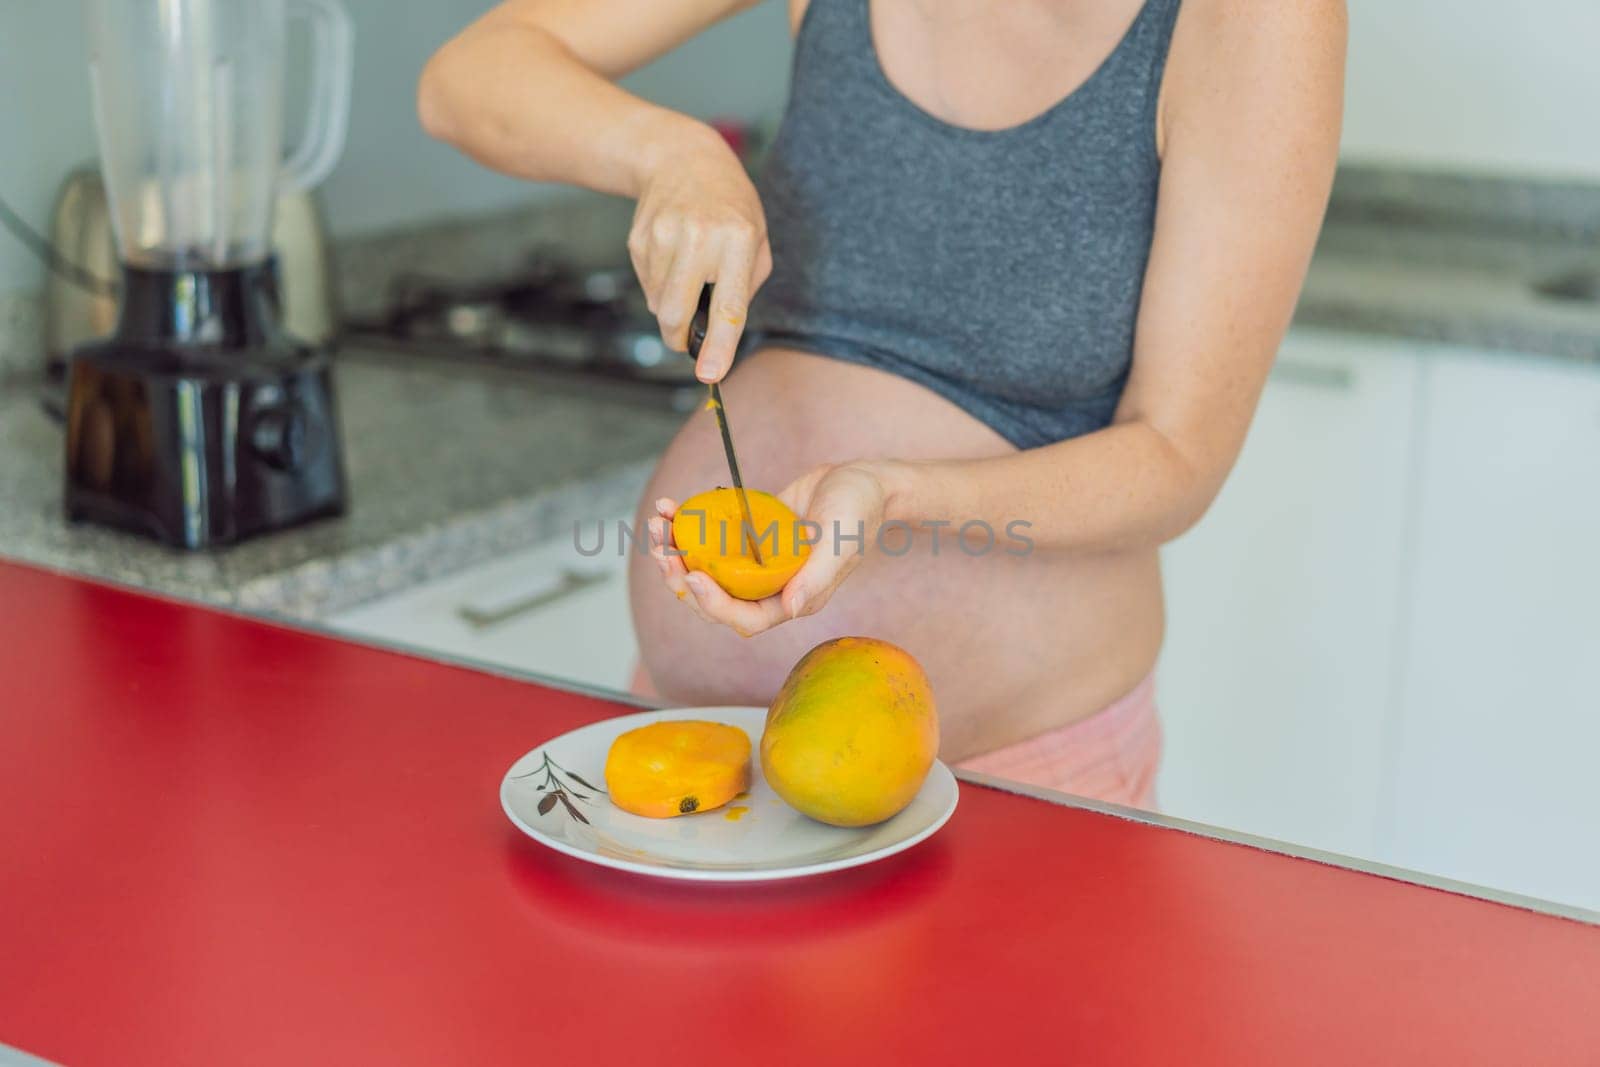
1485 311
323 587
1371 193
1486 332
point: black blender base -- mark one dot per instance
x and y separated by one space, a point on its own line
200 461
199 423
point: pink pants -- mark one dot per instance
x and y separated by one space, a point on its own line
1112 755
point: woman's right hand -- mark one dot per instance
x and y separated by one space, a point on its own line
699 220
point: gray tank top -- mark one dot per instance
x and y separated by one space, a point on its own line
1001 269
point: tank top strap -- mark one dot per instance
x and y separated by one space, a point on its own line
1150 41
839 32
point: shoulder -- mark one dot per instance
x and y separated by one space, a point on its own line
1231 24
1253 57
797 14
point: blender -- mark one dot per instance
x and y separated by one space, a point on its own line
199 421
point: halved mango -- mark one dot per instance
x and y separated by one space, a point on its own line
677 768
709 530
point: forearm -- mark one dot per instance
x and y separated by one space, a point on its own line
1127 486
514 97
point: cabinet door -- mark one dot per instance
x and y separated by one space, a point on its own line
1498 757
1283 605
549 610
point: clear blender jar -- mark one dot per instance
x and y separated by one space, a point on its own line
199 421
188 101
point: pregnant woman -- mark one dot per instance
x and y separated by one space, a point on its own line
1010 261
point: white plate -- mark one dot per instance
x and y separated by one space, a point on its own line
555 794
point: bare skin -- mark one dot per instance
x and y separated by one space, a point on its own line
1248 131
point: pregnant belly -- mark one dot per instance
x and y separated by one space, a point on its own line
1013 644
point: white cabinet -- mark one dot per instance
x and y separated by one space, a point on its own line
1497 756
1384 640
550 610
1284 605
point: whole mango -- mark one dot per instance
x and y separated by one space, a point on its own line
852 733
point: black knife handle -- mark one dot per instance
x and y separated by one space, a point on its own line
701 323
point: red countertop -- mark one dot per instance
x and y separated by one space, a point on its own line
227 842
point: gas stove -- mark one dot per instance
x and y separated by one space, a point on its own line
579 328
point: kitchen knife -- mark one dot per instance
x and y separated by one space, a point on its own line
698 326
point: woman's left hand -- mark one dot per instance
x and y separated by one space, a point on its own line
844 507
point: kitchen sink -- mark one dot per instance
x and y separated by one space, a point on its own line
1575 286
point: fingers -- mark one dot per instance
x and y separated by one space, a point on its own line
809 591
669 563
806 594
813 584
679 293
650 245
797 494
763 265
697 590
746 617
730 301
675 254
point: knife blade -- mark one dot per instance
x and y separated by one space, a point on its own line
698 327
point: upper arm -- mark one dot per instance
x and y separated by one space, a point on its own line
1251 114
614 37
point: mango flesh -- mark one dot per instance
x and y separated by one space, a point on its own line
677 768
707 528
852 733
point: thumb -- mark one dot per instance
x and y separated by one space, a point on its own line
813 585
798 494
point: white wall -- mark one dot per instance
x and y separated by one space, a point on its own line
390 173
45 126
1476 85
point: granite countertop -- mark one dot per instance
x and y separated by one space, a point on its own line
449 465
1440 284
1457 258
